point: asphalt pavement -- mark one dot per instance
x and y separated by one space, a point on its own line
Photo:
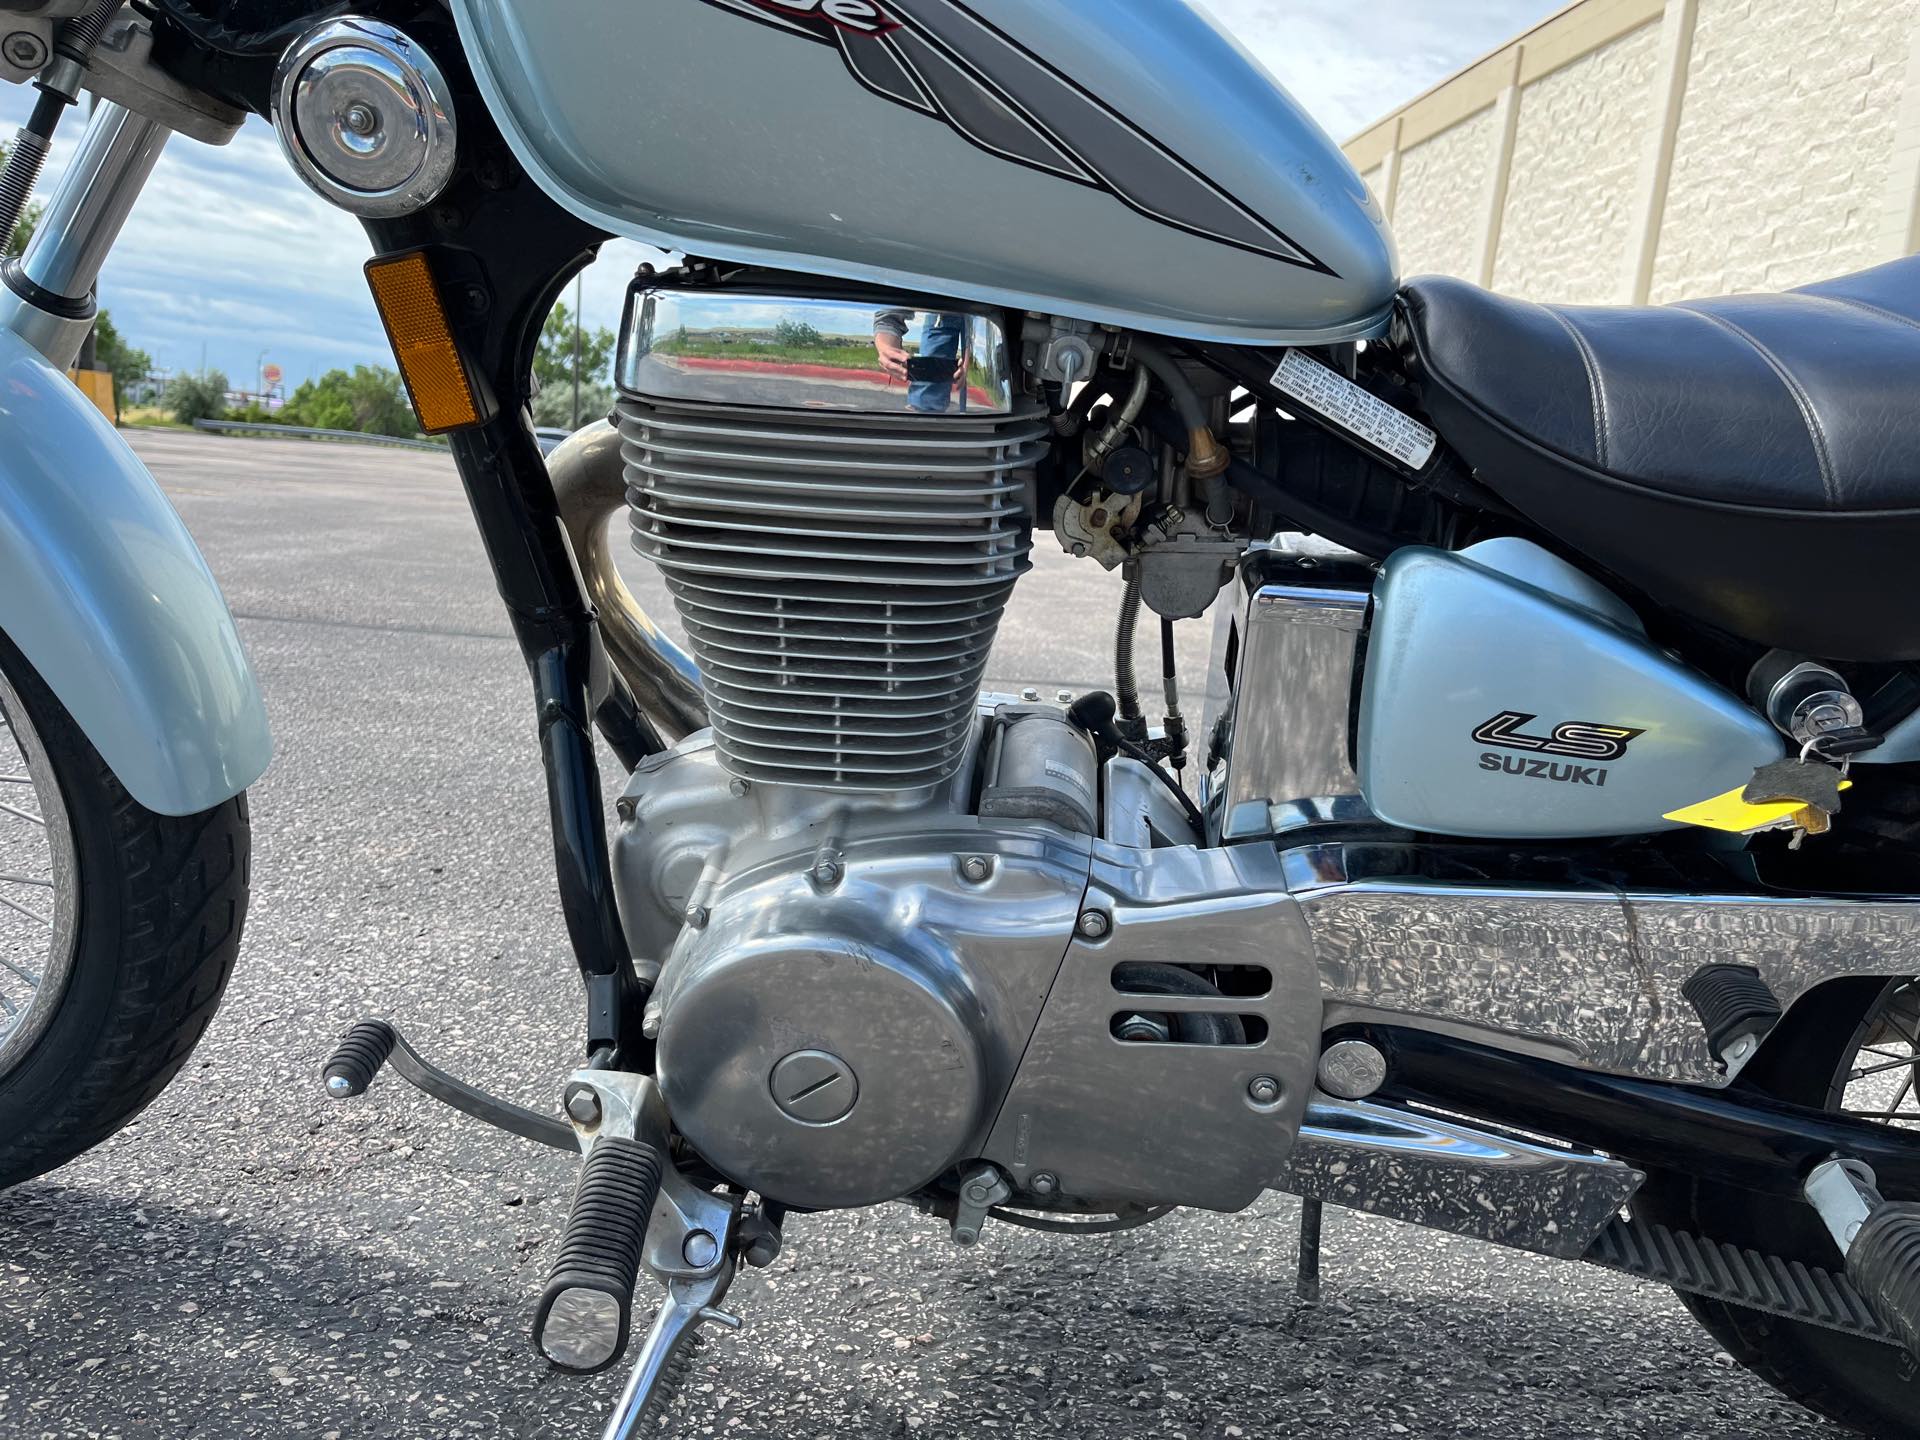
250 1261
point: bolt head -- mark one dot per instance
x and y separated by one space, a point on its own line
760 1252
650 1019
339 1087
583 1105
738 787
26 49
700 1249
976 868
1065 697
1030 694
697 916
1094 925
1352 1069
828 872
1263 1090
1044 1183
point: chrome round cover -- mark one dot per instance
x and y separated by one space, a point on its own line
813 1048
366 117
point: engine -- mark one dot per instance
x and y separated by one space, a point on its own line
840 537
904 932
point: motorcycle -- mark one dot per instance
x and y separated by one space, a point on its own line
1547 873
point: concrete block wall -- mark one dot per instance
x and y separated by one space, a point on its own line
1570 197
1635 150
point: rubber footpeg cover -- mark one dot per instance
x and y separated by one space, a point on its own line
1884 1264
359 1056
1731 1000
586 1312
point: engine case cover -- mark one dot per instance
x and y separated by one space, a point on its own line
848 1004
1509 696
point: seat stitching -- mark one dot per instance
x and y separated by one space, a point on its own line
1808 415
1850 303
1592 363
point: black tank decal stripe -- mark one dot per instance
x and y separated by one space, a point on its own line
938 58
982 116
877 65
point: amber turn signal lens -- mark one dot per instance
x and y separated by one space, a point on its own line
430 362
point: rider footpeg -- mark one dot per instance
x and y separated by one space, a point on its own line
1884 1263
1736 1009
586 1313
1880 1240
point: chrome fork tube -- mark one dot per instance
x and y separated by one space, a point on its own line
48 300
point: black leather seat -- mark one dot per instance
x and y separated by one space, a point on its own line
1754 461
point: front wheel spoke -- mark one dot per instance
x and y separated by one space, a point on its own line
26 815
26 975
30 914
16 780
32 880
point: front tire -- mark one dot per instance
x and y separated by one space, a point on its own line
118 933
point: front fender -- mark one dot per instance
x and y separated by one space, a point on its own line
105 593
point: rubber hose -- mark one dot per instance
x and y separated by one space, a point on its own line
1126 687
1168 372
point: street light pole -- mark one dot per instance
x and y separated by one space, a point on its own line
578 289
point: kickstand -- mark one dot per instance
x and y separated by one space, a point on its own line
1307 1283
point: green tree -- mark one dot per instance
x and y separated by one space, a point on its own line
368 399
553 367
23 228
797 335
201 396
130 367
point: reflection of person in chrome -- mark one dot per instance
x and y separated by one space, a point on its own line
932 374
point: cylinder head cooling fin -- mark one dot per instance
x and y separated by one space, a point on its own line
836 495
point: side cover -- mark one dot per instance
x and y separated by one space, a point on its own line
1121 161
1509 696
105 593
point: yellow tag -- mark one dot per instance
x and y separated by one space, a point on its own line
1731 813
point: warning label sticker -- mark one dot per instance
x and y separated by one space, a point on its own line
1332 396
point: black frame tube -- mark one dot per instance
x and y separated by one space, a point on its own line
1734 1136
500 252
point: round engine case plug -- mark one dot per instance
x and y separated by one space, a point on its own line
366 117
815 1087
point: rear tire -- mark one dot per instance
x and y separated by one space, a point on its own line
1867 1386
146 934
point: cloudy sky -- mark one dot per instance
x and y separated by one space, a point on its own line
230 259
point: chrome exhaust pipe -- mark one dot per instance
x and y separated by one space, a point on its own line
590 483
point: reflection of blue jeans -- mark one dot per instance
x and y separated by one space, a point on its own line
941 338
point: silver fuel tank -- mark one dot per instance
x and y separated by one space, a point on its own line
1123 162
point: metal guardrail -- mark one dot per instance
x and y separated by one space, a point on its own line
304 432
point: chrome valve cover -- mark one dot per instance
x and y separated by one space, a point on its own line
841 524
